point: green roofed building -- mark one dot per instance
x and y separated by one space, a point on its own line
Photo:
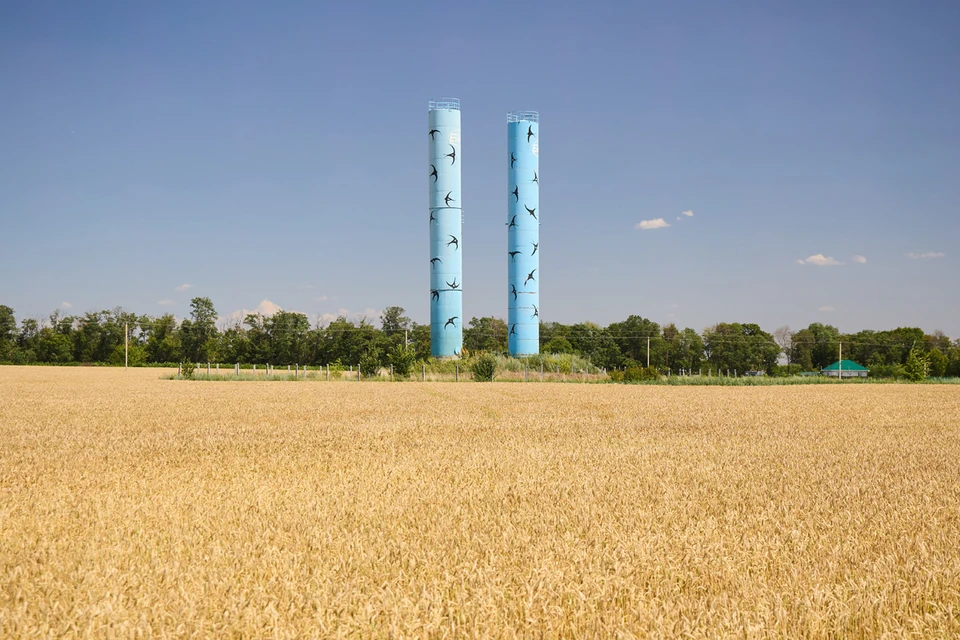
845 369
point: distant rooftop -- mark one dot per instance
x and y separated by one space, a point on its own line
523 116
848 365
444 103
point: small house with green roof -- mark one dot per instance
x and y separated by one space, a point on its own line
845 369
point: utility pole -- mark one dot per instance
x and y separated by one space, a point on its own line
126 344
648 352
840 364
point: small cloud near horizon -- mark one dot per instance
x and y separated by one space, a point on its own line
826 308
656 223
926 255
320 299
689 214
859 259
66 305
183 287
166 303
820 260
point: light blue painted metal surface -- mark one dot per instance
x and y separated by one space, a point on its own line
446 243
523 232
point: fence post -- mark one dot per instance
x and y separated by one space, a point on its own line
541 372
423 373
328 372
358 373
208 369
179 369
391 372
236 369
456 374
526 373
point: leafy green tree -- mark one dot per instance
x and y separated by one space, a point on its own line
557 344
484 368
233 345
420 341
953 360
8 333
370 363
826 344
631 339
393 322
163 340
402 359
740 347
938 363
199 332
53 347
917 365
287 337
486 334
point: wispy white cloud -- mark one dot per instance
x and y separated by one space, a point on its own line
183 287
66 305
166 303
826 308
926 255
265 308
859 259
820 260
689 214
656 223
320 299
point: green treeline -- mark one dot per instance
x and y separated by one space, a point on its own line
288 338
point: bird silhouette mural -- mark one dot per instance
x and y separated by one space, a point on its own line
530 133
516 193
513 329
530 277
513 159
434 173
454 284
512 223
532 212
513 290
536 312
432 219
513 255
434 294
454 241
451 321
452 155
536 245
536 178
434 261
447 199
431 132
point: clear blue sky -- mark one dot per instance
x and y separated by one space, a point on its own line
277 151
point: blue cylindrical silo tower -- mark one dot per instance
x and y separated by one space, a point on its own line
523 232
446 244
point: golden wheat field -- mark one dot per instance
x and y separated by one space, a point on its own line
136 506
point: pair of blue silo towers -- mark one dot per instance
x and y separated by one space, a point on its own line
446 223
